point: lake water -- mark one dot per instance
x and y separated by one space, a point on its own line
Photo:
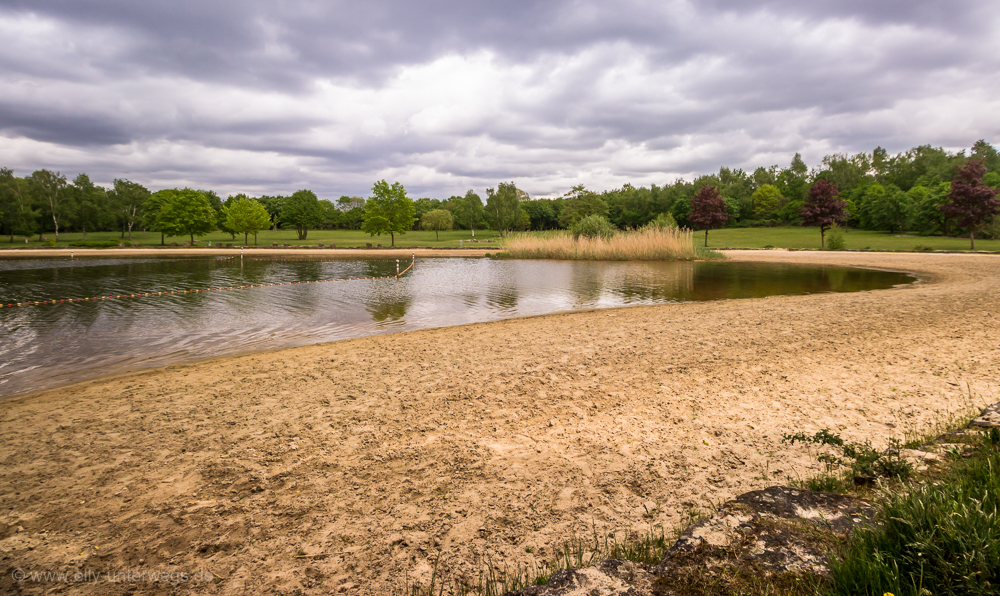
51 345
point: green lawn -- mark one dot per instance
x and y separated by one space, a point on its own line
786 237
800 237
338 237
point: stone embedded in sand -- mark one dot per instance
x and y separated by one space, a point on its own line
990 418
775 530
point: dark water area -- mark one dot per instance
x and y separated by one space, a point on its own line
51 345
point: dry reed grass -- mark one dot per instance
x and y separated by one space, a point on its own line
646 244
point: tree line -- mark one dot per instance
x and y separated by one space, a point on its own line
47 202
907 191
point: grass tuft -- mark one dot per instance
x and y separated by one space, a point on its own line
940 538
495 579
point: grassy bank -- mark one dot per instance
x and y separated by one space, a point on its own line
345 238
647 244
801 237
786 237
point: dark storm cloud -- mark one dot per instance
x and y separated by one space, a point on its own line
454 93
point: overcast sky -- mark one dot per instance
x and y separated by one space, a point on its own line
261 96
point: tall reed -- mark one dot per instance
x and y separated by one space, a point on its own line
651 243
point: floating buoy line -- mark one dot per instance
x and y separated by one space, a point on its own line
219 289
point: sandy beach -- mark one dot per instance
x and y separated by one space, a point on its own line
338 468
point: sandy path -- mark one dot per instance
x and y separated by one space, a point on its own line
477 440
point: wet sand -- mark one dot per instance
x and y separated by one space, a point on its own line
340 467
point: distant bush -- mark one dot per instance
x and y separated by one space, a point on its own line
835 238
991 230
594 226
665 220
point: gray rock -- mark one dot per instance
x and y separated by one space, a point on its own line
783 532
607 578
990 418
778 528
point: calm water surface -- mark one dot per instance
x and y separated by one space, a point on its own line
51 345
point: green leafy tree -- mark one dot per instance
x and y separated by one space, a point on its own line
793 181
186 212
523 221
468 211
89 202
128 198
422 206
681 210
885 208
541 214
151 212
503 207
388 211
766 201
580 203
49 190
302 211
20 215
246 216
438 220
927 215
273 206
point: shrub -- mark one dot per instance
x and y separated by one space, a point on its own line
594 226
665 220
861 458
835 238
991 230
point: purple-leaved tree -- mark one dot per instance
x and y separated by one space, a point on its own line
972 204
708 210
823 208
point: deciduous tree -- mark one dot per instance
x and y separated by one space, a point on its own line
302 211
823 208
187 212
972 203
437 220
20 216
49 190
580 203
708 210
129 197
503 207
89 202
766 201
246 215
388 211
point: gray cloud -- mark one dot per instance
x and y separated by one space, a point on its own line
446 95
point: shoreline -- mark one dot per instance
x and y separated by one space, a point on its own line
139 368
384 453
202 252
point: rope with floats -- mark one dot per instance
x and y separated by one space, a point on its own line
219 289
